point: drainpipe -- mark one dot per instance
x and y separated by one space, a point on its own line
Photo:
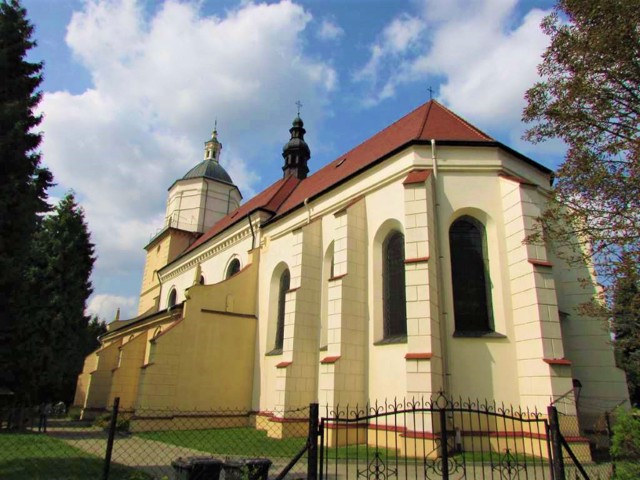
306 204
442 316
253 235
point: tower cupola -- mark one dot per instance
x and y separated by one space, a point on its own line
296 152
213 147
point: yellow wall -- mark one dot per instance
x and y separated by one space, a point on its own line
124 381
206 360
82 386
160 252
100 382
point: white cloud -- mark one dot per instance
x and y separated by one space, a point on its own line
158 84
106 306
399 38
486 56
329 30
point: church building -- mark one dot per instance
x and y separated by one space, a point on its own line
398 270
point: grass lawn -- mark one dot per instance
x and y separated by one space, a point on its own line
247 442
35 456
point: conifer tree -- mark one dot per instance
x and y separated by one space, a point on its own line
626 326
61 265
23 181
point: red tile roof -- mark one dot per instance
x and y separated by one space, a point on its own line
429 121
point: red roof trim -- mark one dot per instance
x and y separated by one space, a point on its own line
337 277
331 359
557 361
416 260
417 176
539 263
419 356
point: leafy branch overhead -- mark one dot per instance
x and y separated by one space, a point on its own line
589 97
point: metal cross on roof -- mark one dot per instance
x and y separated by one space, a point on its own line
430 92
299 105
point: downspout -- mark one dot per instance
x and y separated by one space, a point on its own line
306 204
443 317
253 235
228 200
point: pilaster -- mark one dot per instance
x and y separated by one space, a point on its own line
343 369
543 372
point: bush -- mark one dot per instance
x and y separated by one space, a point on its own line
625 445
103 421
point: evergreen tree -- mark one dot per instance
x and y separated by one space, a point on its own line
626 326
95 328
58 329
23 182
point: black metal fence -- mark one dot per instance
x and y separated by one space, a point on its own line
426 439
154 444
444 439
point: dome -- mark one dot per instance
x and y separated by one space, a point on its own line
209 169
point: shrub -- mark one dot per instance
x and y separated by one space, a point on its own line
103 421
625 445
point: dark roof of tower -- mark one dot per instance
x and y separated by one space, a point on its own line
209 169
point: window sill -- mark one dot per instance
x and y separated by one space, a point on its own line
482 334
392 340
274 352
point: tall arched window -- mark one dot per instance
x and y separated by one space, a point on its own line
233 268
470 276
285 280
172 298
394 295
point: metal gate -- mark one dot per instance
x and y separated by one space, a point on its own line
434 439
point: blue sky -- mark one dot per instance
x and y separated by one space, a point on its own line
132 89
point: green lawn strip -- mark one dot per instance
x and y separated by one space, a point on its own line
36 456
247 442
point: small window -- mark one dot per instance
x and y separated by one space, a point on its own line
285 280
172 298
394 291
470 277
233 268
201 281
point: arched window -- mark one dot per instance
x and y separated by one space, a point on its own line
172 298
201 281
285 280
394 296
470 277
233 268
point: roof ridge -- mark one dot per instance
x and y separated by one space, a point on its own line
378 133
426 117
464 122
285 184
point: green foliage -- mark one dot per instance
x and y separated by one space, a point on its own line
55 332
589 97
625 446
23 183
104 422
626 326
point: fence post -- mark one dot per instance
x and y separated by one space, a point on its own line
556 444
444 444
312 453
112 432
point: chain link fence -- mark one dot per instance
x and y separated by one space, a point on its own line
153 444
